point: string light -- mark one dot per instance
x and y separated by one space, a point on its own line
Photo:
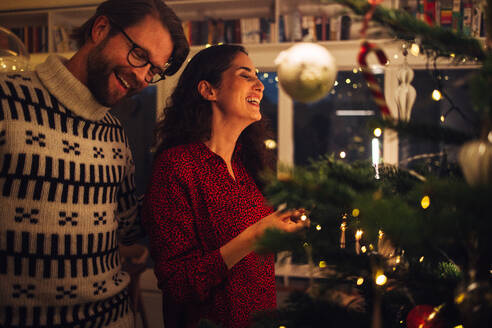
208 45
442 118
343 154
355 70
358 234
415 49
265 75
270 144
318 227
421 259
360 281
303 217
378 132
452 55
425 202
322 264
363 249
381 279
398 259
436 95
348 81
336 83
355 212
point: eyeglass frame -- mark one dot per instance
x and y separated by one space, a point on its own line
136 46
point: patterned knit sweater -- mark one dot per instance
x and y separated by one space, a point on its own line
67 198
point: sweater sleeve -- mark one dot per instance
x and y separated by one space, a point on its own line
129 205
185 271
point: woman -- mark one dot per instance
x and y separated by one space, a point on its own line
203 210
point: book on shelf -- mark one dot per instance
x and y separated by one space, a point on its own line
34 38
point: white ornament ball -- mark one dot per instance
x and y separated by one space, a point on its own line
475 158
306 71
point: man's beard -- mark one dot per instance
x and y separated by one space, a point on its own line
99 70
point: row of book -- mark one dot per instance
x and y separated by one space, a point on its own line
465 16
260 30
35 38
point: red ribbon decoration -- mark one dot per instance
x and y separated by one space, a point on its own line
372 83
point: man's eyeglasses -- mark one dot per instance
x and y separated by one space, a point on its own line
138 57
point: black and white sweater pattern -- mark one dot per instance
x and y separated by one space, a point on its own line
67 198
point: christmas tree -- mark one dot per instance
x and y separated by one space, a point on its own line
400 247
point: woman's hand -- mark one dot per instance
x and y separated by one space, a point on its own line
243 244
288 221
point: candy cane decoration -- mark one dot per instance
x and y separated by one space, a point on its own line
372 83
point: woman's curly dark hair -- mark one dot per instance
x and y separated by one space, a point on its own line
188 116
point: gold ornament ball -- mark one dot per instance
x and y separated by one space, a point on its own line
306 71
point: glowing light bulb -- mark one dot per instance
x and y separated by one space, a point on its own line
421 259
343 226
425 202
318 227
347 81
208 45
276 78
303 217
343 154
360 281
358 234
436 95
398 259
336 83
265 75
322 264
377 132
355 212
381 280
415 49
270 144
363 249
355 70
442 118
380 234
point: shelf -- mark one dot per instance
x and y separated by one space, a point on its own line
223 9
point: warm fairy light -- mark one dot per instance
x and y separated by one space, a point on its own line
343 226
354 86
377 132
395 56
415 49
381 280
318 227
208 45
355 70
425 202
489 136
306 244
398 259
343 154
348 81
421 259
442 118
363 249
380 234
355 212
257 71
276 78
458 326
303 217
360 281
358 234
371 247
436 95
270 144
432 315
452 55
282 327
265 75
322 264
459 298
336 83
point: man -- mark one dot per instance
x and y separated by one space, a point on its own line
67 196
